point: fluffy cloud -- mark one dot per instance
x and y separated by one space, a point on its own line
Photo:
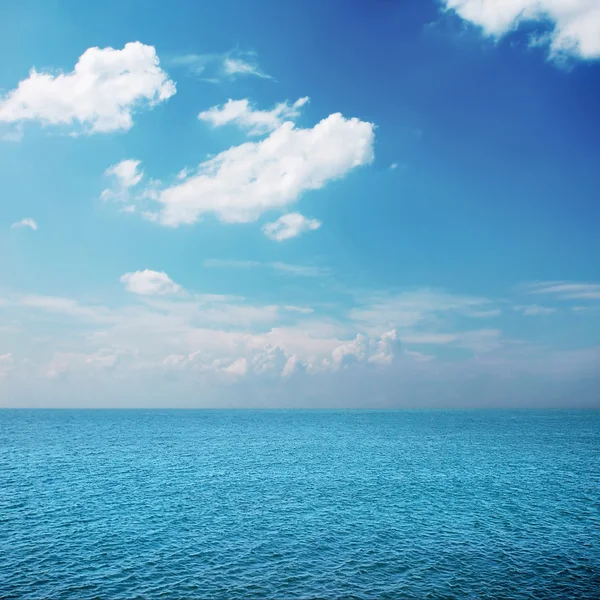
125 175
255 121
243 352
30 223
100 95
370 350
282 352
126 172
241 183
289 226
576 23
150 283
237 367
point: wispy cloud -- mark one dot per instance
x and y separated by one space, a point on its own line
300 309
406 309
27 222
565 290
239 66
216 67
231 264
61 306
534 310
478 340
195 63
585 309
299 270
282 267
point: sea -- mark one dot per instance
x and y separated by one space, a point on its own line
226 504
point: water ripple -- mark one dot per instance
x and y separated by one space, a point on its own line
268 504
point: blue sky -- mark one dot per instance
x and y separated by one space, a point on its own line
370 204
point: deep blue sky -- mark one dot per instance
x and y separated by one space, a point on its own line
464 232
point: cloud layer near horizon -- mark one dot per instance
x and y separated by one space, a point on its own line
220 340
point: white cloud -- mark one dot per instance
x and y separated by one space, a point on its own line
533 310
566 290
291 366
100 95
419 356
428 317
300 309
477 341
299 270
255 121
214 67
231 264
411 308
13 135
195 63
286 268
216 342
25 223
63 306
126 175
235 66
429 338
240 184
485 314
393 166
575 23
289 226
150 283
364 349
585 309
238 367
65 362
127 172
247 354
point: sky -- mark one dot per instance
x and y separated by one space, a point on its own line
342 204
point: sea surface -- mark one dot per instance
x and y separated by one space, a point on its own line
299 504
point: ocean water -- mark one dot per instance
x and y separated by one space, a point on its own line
299 504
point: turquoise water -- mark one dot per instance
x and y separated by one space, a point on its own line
269 504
